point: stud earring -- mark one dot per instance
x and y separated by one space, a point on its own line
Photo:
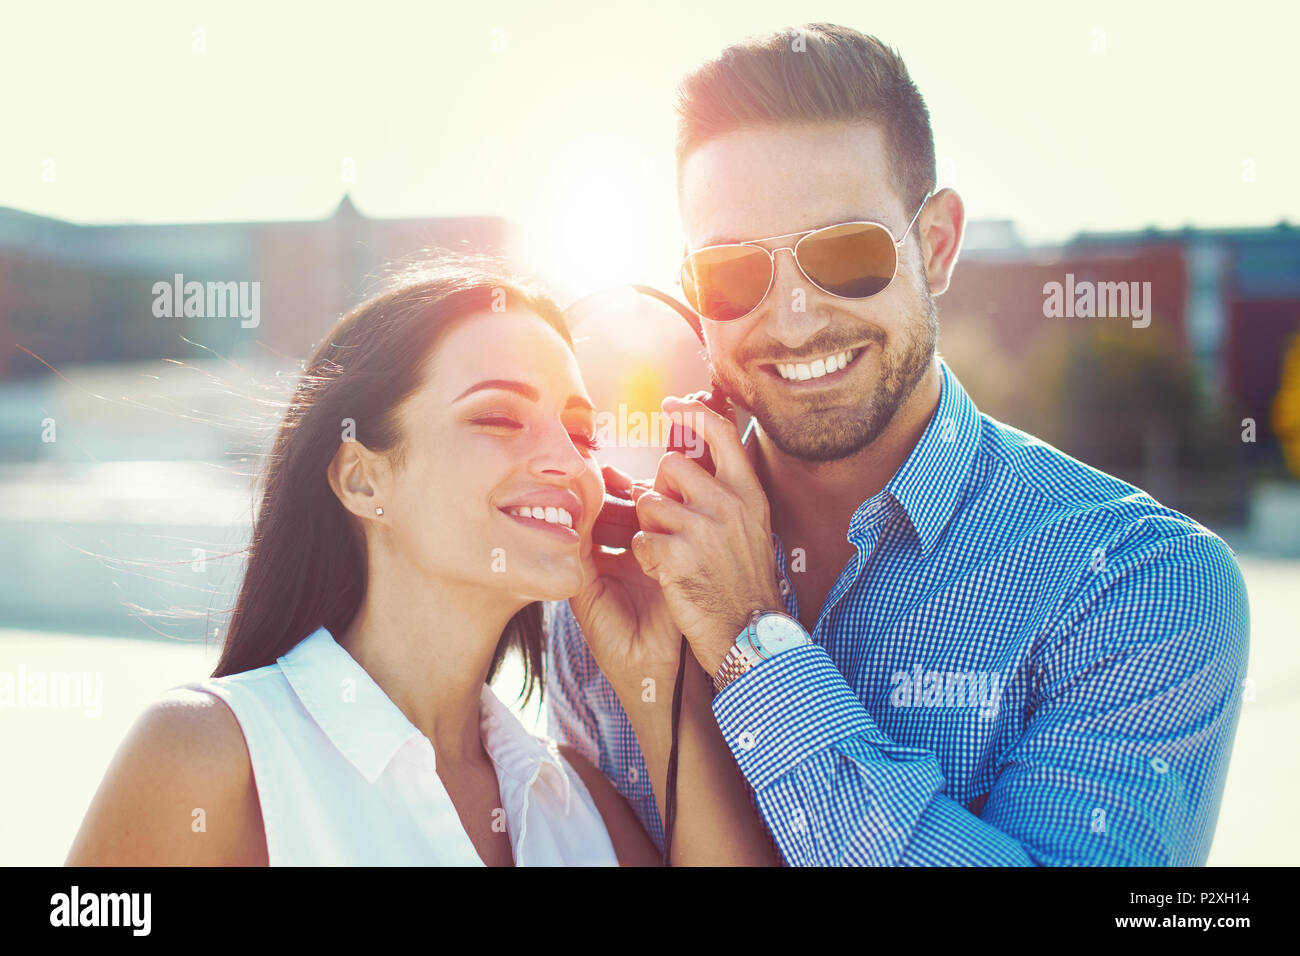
379 511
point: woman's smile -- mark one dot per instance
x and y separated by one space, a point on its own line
552 511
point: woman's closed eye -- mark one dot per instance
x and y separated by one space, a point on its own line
580 439
498 421
585 441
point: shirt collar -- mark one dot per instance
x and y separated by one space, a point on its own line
353 711
929 485
366 726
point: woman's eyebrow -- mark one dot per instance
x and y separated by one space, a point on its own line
507 385
520 388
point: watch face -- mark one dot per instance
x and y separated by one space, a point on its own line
774 633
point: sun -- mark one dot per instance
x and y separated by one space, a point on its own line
602 217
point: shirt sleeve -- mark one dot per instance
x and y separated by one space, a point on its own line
569 717
1129 725
584 712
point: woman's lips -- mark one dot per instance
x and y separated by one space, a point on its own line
558 531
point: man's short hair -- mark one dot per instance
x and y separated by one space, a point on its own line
816 73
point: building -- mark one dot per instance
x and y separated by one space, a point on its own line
1226 300
77 294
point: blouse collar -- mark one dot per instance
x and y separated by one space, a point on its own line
367 728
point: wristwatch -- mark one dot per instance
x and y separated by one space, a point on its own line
767 634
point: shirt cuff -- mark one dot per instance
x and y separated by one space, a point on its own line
786 709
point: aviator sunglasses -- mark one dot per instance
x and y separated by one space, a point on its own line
850 260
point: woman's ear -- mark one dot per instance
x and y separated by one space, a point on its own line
356 476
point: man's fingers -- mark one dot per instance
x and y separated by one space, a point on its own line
655 552
733 467
683 479
662 514
647 548
662 483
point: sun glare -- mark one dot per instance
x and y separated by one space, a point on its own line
604 223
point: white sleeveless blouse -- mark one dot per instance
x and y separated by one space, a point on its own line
345 779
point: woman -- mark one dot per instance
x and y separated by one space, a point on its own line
433 481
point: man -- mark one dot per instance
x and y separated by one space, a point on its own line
1010 657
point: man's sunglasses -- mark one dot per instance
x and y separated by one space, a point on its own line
851 260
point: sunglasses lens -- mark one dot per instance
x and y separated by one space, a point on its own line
854 260
726 282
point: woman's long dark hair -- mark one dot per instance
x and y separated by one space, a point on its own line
306 564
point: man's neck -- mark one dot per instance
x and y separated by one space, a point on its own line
808 497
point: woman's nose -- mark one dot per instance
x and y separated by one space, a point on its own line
555 454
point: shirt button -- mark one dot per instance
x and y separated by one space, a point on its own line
785 588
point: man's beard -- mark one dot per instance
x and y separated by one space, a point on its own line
836 433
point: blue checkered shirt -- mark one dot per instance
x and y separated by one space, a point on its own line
1028 661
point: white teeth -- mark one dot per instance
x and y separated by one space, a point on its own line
550 515
823 366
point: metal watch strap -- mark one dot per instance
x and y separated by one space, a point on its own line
736 662
732 666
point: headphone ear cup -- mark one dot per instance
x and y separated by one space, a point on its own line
617 523
681 438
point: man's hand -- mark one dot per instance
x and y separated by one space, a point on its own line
707 539
622 612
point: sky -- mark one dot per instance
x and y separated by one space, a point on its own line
558 115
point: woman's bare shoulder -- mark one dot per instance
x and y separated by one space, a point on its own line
179 791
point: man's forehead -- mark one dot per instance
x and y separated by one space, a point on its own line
773 180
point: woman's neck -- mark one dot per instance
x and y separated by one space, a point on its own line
428 644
